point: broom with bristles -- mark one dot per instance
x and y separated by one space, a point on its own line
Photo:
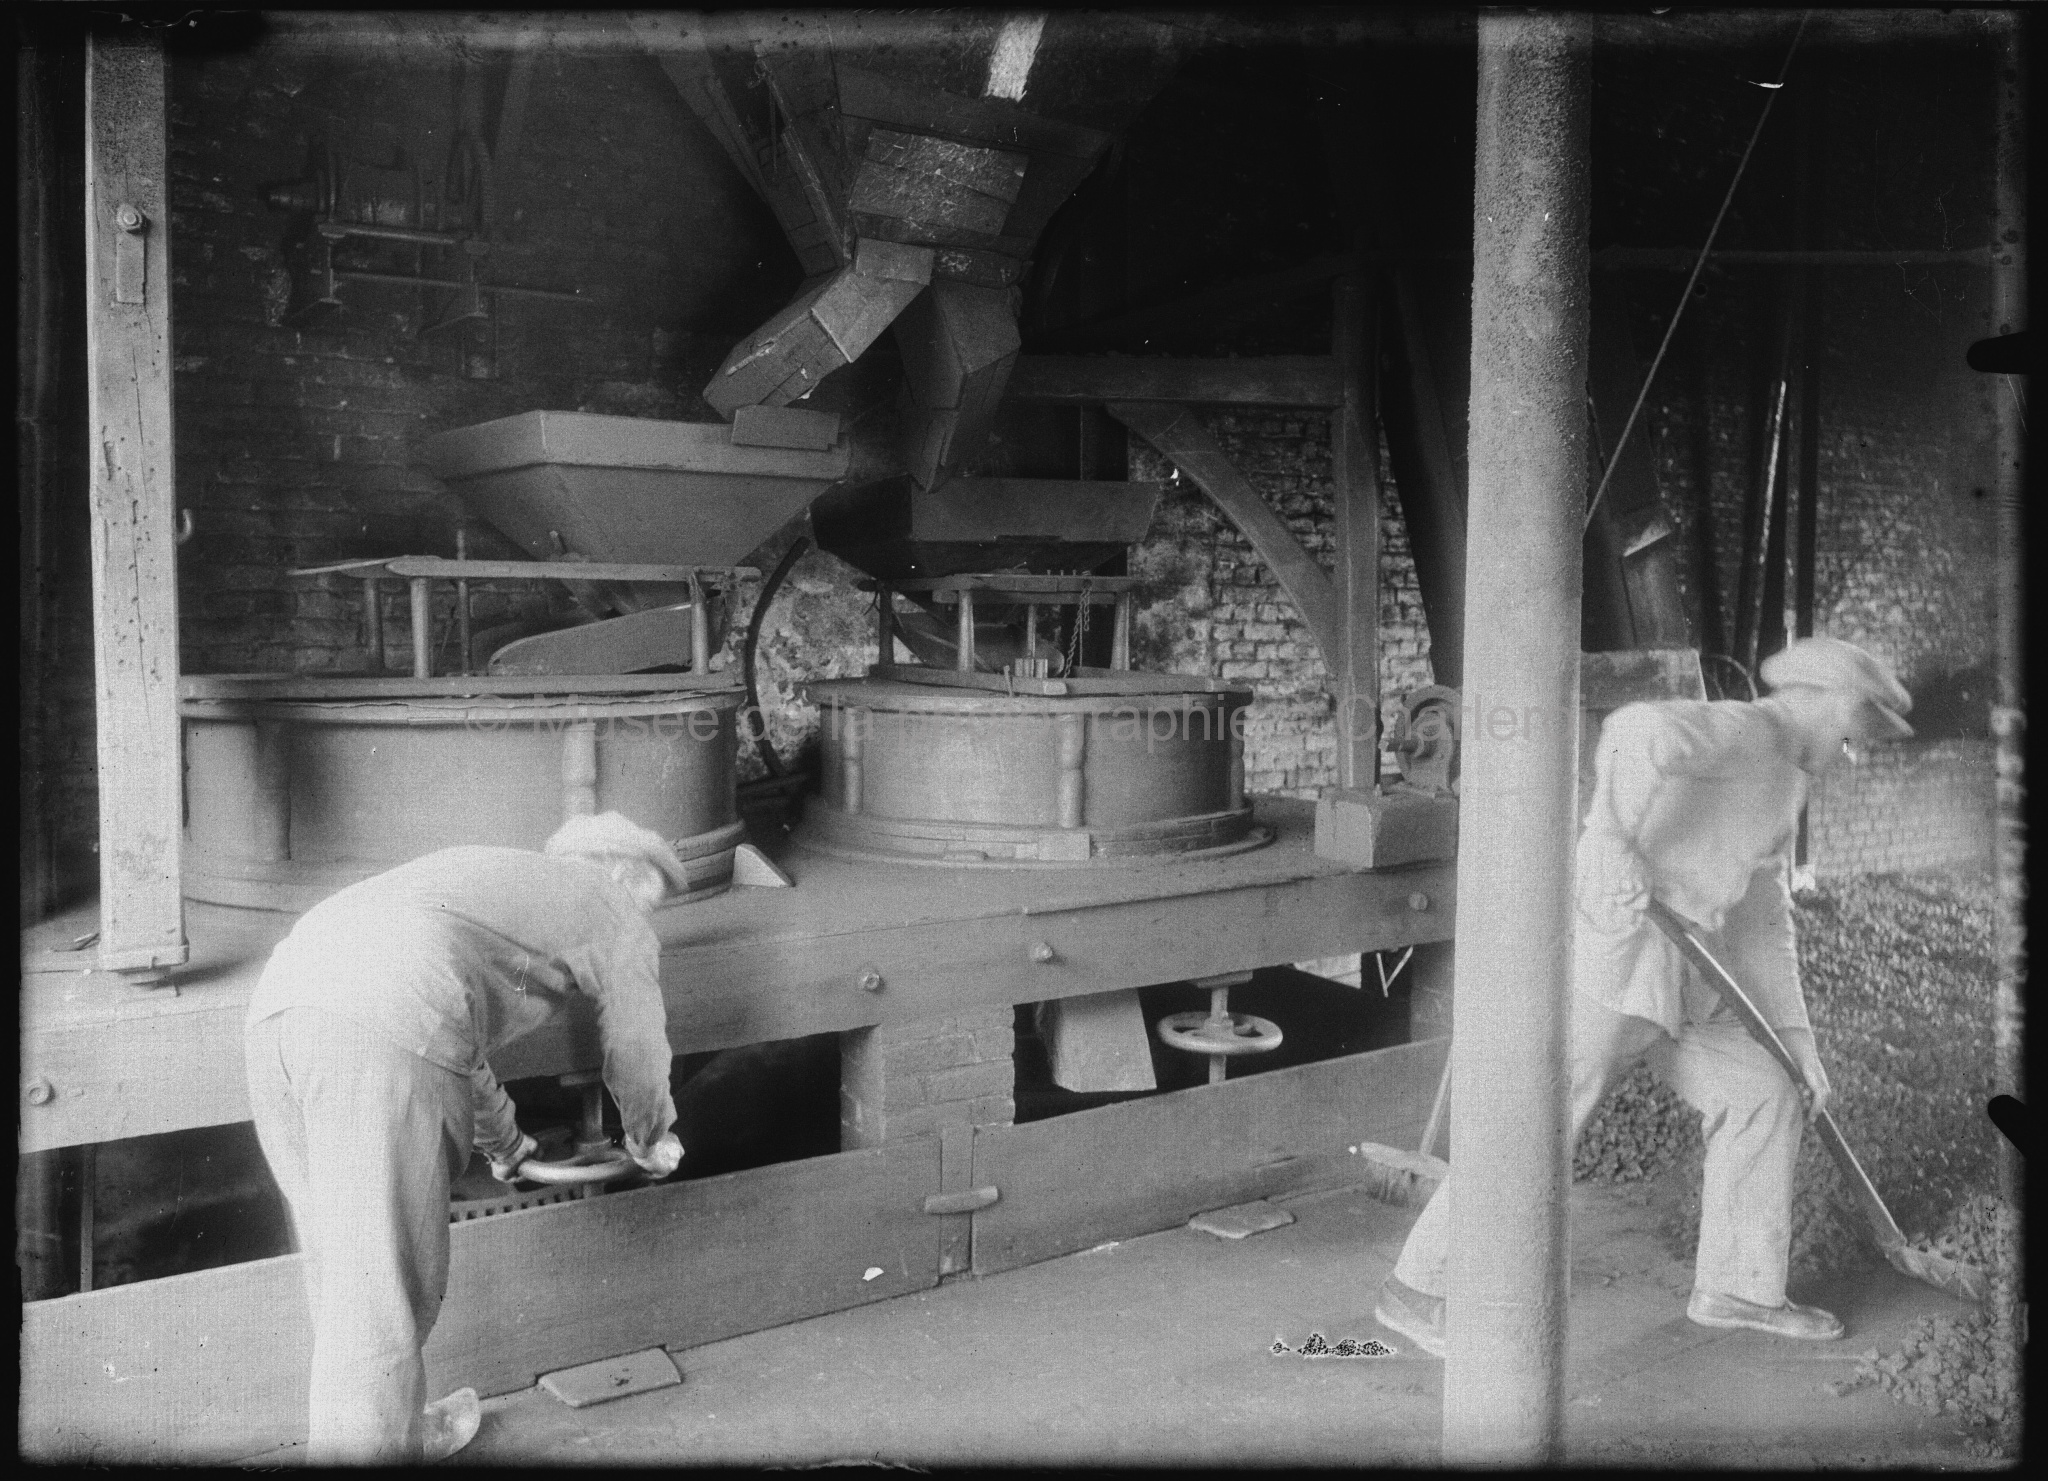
1409 1178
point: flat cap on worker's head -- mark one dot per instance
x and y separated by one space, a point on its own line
592 834
1830 663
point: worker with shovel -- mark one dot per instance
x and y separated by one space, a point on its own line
1697 804
367 1040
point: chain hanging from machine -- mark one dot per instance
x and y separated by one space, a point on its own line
1077 635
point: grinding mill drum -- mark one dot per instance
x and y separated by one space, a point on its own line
923 773
297 786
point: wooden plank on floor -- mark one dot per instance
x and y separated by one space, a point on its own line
1071 1182
211 1367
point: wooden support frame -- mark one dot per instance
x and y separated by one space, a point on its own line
134 514
1253 380
1180 436
1355 474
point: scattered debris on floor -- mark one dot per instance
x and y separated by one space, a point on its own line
1242 1219
1966 1367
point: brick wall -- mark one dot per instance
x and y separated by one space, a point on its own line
1211 607
1921 805
912 1079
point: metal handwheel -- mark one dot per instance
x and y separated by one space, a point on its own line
1220 1034
596 1159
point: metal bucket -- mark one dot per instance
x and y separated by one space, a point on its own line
296 786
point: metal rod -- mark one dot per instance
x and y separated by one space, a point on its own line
700 630
462 600
1503 1389
885 633
88 1217
407 280
1219 1013
422 629
1120 644
1031 630
373 623
964 660
335 231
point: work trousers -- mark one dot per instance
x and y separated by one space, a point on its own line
364 1139
1752 1116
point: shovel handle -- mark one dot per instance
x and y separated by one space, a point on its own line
1686 937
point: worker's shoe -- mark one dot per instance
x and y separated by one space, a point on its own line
1417 1317
449 1424
1809 1323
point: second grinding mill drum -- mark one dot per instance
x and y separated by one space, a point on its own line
298 785
918 773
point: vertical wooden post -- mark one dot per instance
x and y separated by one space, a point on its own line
373 624
134 514
1503 1387
462 633
1355 474
964 634
885 627
1031 636
1120 642
422 628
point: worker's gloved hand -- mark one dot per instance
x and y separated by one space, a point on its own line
659 1160
1613 882
1818 1094
506 1169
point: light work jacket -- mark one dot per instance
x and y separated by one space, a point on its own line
461 951
1708 794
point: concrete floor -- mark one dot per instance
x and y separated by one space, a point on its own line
1158 1351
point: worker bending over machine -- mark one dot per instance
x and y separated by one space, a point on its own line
1698 804
367 1040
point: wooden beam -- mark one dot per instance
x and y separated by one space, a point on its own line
752 966
1071 1182
1425 425
1179 434
1255 380
1355 486
134 514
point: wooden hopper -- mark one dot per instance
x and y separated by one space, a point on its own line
627 489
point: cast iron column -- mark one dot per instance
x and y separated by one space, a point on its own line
1504 1368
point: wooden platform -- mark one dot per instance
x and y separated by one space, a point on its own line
102 1060
212 1366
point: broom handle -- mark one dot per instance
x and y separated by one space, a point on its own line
1685 936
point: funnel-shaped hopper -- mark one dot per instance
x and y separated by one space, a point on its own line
628 489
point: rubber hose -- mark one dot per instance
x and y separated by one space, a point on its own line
769 587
